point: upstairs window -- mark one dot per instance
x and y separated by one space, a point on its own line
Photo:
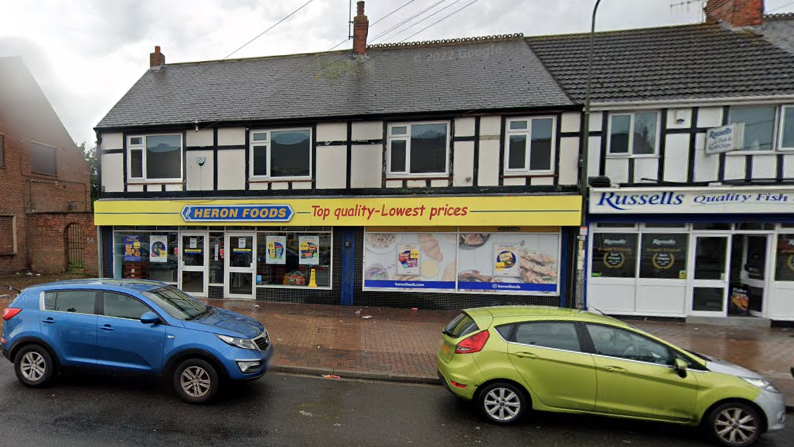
154 157
786 127
42 159
759 126
419 149
633 134
281 153
530 145
2 151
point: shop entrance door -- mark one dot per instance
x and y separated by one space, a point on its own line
709 278
240 265
193 262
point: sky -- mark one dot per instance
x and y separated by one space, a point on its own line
86 54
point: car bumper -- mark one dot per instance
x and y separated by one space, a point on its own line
774 407
463 372
5 352
247 355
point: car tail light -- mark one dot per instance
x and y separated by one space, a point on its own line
10 312
472 344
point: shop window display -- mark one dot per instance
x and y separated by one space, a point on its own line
784 261
614 255
663 255
288 259
146 255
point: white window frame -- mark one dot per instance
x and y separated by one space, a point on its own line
528 134
142 147
775 129
407 139
269 144
630 153
781 121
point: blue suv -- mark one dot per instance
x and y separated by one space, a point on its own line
132 326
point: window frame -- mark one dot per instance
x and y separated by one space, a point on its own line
775 129
54 156
2 150
527 169
407 139
269 145
632 117
781 124
142 147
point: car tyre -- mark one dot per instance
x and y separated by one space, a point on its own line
196 381
734 424
502 403
34 366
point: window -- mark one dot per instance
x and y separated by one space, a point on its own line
146 255
786 128
42 159
530 145
633 133
291 259
663 255
2 151
557 335
418 149
281 153
154 157
614 342
784 261
123 306
759 126
614 255
76 301
8 235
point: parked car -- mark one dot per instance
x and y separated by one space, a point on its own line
513 359
131 326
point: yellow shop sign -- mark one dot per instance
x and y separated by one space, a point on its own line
547 210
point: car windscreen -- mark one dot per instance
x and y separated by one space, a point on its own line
177 303
460 326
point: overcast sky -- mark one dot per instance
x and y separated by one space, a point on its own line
85 54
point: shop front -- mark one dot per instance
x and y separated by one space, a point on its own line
332 250
700 252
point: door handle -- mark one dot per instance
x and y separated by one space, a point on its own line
48 320
616 369
107 327
526 355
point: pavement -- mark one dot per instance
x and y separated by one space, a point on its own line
400 344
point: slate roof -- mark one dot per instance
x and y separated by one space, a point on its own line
669 63
461 75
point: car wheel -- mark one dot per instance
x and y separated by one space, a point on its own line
34 366
196 381
735 424
502 403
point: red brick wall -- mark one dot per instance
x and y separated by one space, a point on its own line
47 239
735 12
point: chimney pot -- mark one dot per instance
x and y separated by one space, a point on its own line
360 30
157 58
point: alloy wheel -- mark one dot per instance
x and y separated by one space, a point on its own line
502 404
735 426
33 366
195 381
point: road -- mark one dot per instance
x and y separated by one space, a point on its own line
289 410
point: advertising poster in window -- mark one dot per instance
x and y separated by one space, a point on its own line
784 268
508 262
614 255
664 256
274 253
309 247
433 269
132 248
158 248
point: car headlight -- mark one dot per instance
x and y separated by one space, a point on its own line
242 343
761 383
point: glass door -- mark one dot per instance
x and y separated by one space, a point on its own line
709 279
240 266
193 262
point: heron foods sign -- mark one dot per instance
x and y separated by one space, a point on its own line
716 200
555 210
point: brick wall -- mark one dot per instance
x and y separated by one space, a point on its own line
47 238
736 13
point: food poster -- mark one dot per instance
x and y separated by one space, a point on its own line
158 248
309 247
664 255
508 262
132 248
275 253
434 269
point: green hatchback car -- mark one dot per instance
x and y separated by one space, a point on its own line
512 359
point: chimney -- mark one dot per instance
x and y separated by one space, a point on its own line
360 30
735 13
157 58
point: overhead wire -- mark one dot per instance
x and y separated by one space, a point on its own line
407 20
426 18
439 21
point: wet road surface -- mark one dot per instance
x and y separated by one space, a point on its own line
290 410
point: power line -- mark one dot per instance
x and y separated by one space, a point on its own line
426 18
407 20
265 31
387 15
780 7
439 21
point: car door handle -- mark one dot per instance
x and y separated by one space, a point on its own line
616 369
526 355
48 320
107 327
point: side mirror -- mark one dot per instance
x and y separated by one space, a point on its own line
150 318
680 367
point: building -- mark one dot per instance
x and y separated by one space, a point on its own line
691 169
432 175
46 222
